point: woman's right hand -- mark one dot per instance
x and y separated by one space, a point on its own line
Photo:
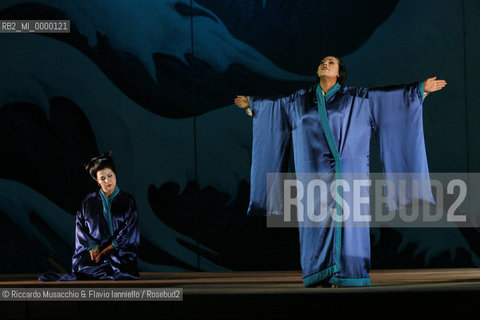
94 253
242 102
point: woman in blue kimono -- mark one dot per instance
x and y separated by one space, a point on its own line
107 234
329 126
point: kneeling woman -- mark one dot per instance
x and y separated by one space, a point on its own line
106 232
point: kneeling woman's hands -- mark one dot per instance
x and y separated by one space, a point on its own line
104 252
94 253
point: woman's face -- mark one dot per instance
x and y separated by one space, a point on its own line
107 180
328 67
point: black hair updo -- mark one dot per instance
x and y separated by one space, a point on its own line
99 163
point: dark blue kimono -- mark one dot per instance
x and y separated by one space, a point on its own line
95 227
331 134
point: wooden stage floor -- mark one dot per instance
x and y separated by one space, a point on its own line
261 295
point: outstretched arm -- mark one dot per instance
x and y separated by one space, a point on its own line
432 85
271 139
397 118
242 102
250 104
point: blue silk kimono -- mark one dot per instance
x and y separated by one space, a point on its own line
331 134
96 227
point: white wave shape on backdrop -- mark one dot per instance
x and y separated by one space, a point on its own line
147 27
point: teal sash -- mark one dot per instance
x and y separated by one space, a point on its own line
107 205
322 111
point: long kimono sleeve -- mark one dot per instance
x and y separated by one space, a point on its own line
128 234
398 123
83 239
271 139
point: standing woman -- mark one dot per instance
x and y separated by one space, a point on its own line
107 234
329 126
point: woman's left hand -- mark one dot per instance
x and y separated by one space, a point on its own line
104 252
432 84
